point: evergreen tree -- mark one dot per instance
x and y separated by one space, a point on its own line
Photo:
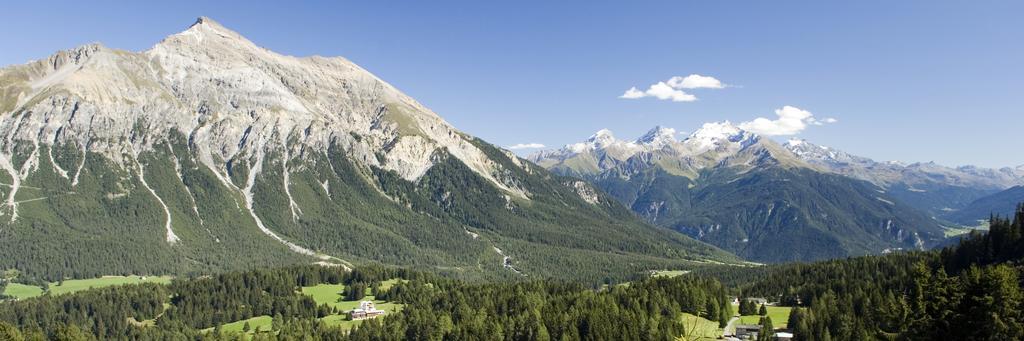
275 324
767 330
10 332
355 291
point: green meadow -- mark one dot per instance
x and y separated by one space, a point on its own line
22 291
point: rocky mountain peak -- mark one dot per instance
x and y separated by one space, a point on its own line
235 101
204 20
207 35
658 137
807 150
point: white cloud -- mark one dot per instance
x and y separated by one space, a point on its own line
672 88
661 91
633 93
695 81
791 121
526 146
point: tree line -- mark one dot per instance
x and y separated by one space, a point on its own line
971 291
435 307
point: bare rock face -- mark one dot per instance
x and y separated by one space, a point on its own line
232 99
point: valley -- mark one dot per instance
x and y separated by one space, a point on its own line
243 181
772 202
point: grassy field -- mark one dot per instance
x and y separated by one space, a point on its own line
668 273
260 324
22 291
330 294
699 328
70 286
953 231
779 317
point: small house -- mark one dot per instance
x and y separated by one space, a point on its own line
366 310
747 331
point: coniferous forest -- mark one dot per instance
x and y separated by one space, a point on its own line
435 308
971 291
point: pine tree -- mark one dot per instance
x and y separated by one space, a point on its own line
711 310
767 330
796 315
763 311
10 332
275 324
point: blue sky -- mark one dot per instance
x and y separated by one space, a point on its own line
909 80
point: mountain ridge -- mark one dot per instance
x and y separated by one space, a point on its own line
928 186
747 194
207 151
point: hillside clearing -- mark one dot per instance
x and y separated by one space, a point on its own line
779 315
23 291
330 294
699 328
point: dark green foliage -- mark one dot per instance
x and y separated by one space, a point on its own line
1003 243
763 311
435 308
355 291
648 309
767 329
747 307
972 291
102 313
110 224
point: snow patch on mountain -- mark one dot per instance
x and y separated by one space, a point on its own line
714 135
708 146
658 138
171 237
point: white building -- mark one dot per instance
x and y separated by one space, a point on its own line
366 310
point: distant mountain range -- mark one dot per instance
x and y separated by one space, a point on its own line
774 202
1001 204
207 152
936 189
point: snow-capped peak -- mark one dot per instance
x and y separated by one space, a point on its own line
809 151
600 140
714 134
659 137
